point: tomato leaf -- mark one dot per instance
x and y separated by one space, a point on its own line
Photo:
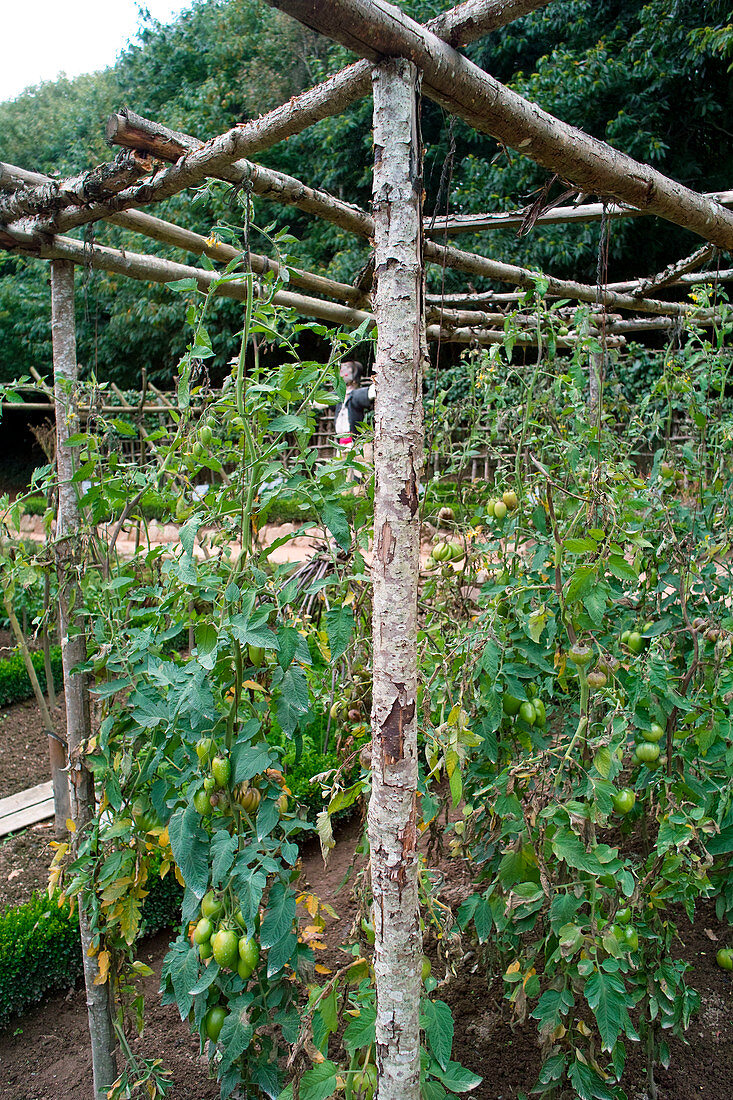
279 916
190 845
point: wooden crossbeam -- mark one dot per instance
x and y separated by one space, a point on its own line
28 807
375 29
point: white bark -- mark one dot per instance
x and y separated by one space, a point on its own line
398 443
73 646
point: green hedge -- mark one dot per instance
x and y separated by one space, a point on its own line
40 951
15 686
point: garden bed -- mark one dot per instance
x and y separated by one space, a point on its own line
45 1054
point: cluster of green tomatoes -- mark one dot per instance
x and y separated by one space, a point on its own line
220 936
532 711
216 793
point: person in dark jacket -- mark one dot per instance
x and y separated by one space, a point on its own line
358 400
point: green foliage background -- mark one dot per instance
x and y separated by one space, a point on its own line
650 78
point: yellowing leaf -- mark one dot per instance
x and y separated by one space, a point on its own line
513 967
70 825
254 686
321 969
103 961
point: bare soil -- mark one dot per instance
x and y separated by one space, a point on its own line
45 1054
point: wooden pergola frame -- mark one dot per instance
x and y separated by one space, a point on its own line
36 214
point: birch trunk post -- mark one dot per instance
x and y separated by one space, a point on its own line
73 648
398 446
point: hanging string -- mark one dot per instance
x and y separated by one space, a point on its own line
446 179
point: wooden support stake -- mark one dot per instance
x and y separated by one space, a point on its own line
398 454
69 564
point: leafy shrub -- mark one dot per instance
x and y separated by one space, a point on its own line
40 950
15 686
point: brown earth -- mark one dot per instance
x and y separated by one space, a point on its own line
45 1054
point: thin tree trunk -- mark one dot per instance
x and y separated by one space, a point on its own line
398 446
56 747
73 648
46 642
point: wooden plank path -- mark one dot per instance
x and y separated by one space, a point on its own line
26 808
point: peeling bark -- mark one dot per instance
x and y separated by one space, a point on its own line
398 441
73 648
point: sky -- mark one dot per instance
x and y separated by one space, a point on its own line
69 36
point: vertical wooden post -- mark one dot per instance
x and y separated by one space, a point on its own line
398 448
73 646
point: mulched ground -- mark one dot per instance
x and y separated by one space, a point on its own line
45 1056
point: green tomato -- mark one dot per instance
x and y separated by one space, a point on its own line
205 749
211 906
580 655
225 943
256 655
202 803
510 499
203 930
647 753
656 733
635 642
206 435
214 1022
249 956
510 704
527 713
500 510
441 551
626 634
724 958
540 713
631 938
221 769
624 801
205 950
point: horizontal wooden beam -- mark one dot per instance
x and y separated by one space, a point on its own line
375 29
462 25
558 215
136 221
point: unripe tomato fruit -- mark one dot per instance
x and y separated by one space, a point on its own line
214 1022
256 655
203 930
205 749
202 803
211 906
647 753
205 950
500 510
441 551
221 769
282 803
631 938
656 733
510 704
540 714
580 655
250 801
510 499
527 713
635 642
225 943
624 801
724 958
249 956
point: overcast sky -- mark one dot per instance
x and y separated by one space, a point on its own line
44 38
